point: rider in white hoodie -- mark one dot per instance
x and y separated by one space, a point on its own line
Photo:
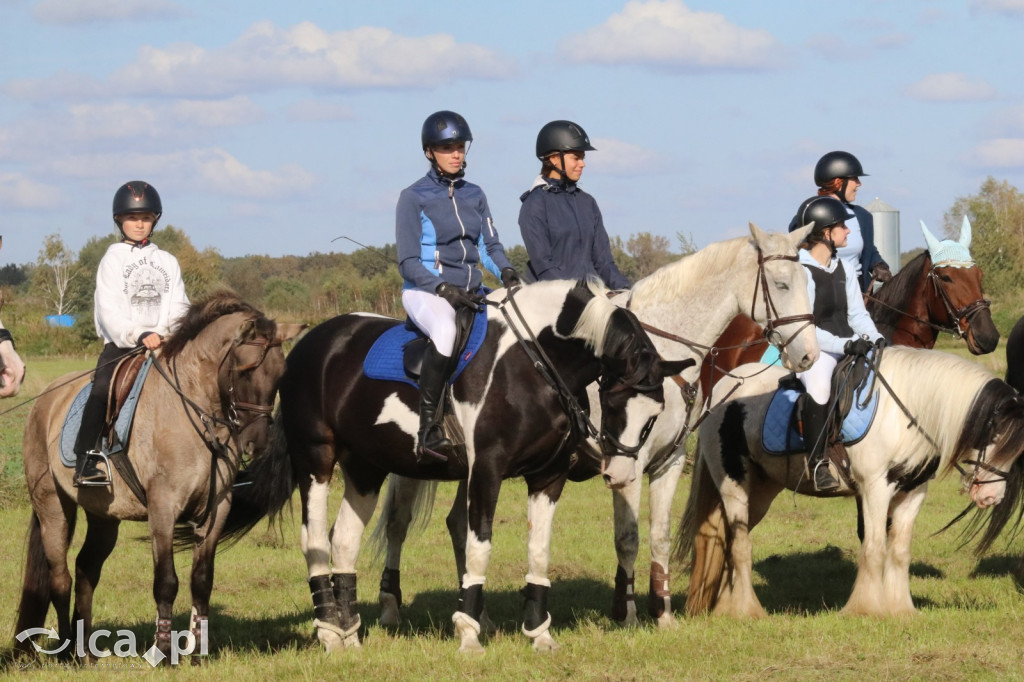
139 299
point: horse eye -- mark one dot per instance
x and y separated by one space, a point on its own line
782 286
945 278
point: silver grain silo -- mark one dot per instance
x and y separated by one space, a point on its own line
887 232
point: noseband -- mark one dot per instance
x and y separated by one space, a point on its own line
258 411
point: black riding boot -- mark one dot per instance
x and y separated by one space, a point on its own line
433 377
816 437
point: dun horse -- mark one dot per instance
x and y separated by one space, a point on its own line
210 405
517 404
934 412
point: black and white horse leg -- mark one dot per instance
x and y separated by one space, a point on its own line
100 538
456 523
540 515
482 500
398 513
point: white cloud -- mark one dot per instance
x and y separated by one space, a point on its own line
951 87
320 110
212 170
267 57
667 33
17 191
618 158
90 11
1005 152
1010 7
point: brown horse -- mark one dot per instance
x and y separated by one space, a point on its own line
206 406
911 309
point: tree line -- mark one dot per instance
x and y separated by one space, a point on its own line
318 286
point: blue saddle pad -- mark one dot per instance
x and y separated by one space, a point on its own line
385 359
780 437
123 425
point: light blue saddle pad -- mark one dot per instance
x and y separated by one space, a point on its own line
780 437
385 359
123 425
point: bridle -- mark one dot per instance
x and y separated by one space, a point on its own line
774 321
579 419
954 314
957 315
257 410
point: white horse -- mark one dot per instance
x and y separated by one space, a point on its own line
685 306
954 413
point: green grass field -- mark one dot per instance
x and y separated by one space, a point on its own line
969 625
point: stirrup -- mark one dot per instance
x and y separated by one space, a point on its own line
822 478
439 444
101 478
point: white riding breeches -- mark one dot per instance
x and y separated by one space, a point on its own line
434 315
818 379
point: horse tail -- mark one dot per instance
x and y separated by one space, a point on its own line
35 591
408 503
263 488
702 540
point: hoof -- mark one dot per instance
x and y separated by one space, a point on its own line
545 642
630 620
468 631
667 621
389 613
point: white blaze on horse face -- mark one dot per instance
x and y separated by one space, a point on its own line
618 471
396 412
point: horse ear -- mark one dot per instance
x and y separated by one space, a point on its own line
965 233
757 233
929 239
670 368
246 331
799 235
288 331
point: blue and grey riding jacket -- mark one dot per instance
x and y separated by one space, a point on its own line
443 229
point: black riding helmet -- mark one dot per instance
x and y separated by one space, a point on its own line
562 136
824 212
137 197
835 165
445 127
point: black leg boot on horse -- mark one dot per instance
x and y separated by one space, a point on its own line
817 434
433 376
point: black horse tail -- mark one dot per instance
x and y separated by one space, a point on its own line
35 591
262 489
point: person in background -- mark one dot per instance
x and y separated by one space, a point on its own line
561 224
443 229
842 324
837 174
140 298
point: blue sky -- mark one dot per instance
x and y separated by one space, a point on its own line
272 128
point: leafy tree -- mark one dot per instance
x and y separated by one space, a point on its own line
200 270
55 275
12 275
996 213
649 252
286 294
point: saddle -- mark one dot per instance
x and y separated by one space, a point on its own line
397 355
854 402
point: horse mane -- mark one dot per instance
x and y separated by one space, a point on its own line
670 282
896 293
200 314
593 323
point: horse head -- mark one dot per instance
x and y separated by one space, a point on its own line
957 298
248 378
779 302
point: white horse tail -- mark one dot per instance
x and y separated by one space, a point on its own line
701 540
408 502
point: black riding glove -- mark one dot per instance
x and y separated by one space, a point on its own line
459 297
858 346
510 278
881 272
881 343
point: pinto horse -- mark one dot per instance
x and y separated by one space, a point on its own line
684 306
923 299
210 406
935 412
515 423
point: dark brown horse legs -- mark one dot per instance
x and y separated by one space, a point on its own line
100 538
